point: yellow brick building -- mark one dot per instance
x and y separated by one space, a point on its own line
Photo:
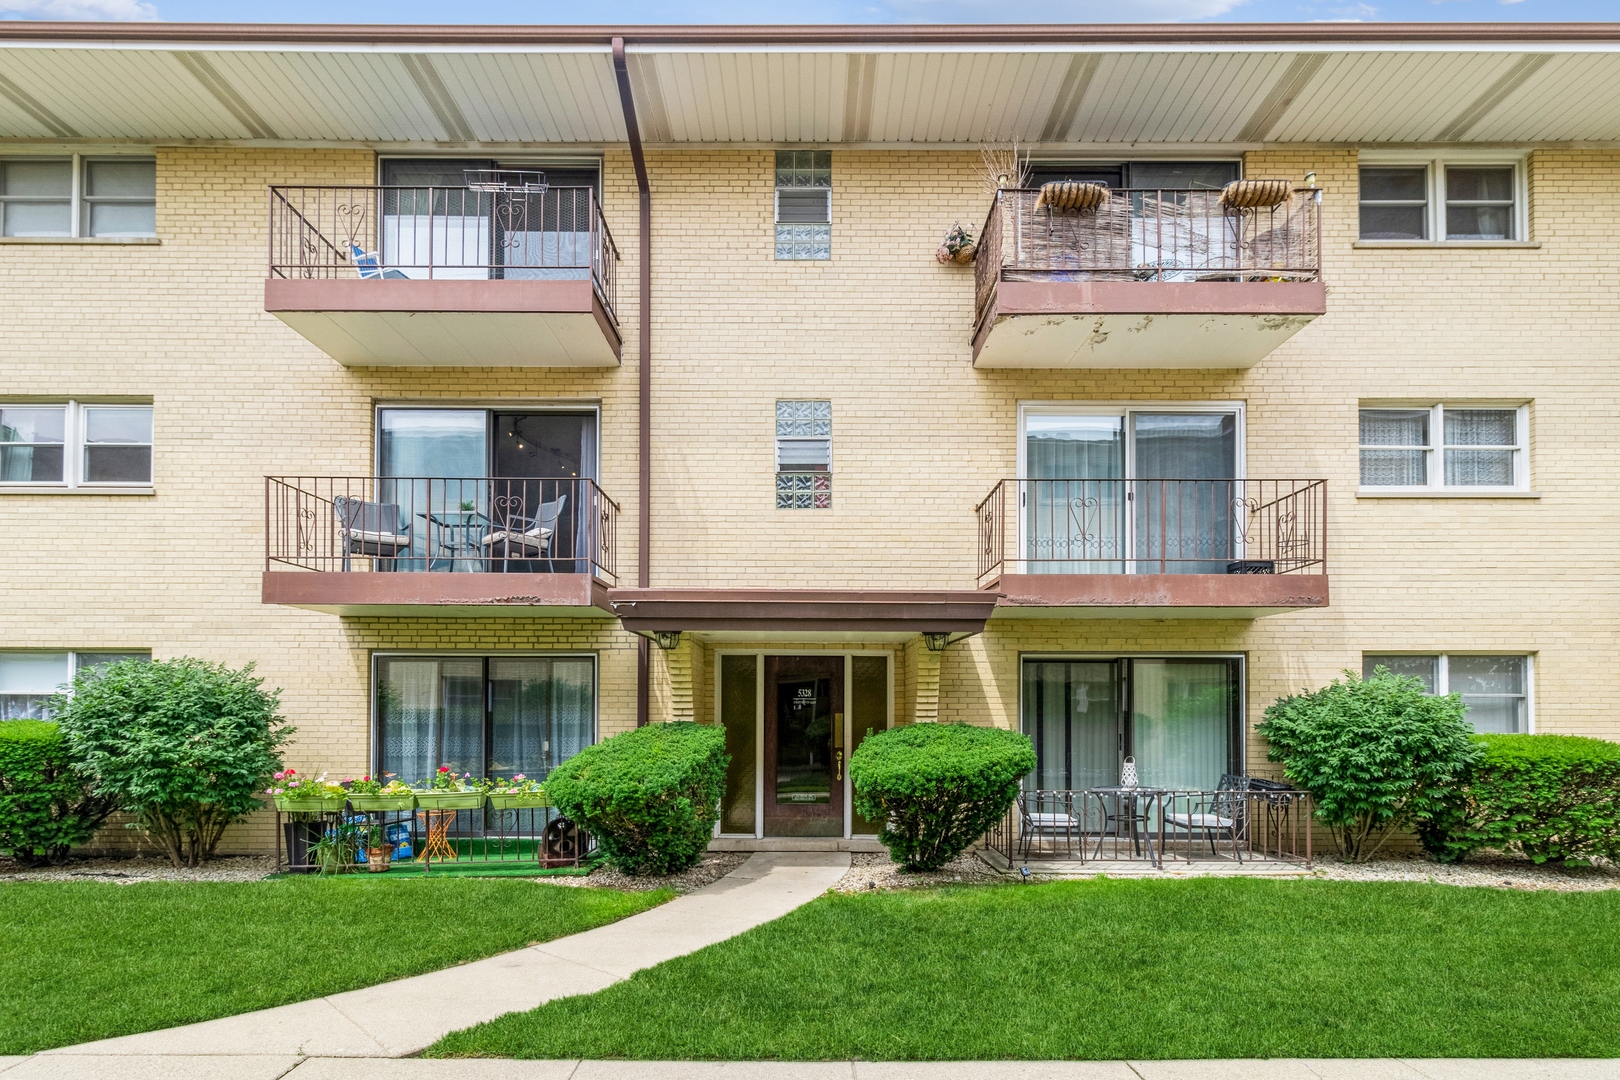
1410 462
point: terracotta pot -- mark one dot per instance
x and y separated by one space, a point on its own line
378 858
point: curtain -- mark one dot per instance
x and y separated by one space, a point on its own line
451 444
1394 428
1181 721
452 232
1185 494
1071 713
1467 428
1074 506
430 713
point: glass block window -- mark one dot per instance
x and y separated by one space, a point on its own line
803 204
1495 689
1443 446
803 455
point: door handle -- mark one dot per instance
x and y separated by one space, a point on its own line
838 755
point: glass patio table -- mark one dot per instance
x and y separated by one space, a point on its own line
460 534
1130 803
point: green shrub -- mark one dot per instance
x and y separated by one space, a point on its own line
937 787
650 796
1552 797
1377 755
47 804
185 746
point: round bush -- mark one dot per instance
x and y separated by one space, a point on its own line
937 787
650 796
1553 797
47 804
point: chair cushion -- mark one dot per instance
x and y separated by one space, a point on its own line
535 537
382 539
1052 821
1199 821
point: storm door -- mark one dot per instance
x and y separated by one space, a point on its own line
804 746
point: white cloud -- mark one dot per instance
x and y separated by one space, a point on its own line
79 10
1063 11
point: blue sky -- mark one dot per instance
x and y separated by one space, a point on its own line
824 11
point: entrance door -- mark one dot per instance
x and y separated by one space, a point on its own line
804 746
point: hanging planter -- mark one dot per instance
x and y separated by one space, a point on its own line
382 803
1072 196
450 800
958 247
307 804
1256 194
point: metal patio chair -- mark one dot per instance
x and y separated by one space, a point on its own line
518 536
1225 813
370 528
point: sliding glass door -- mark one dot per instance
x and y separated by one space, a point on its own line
1178 717
1116 491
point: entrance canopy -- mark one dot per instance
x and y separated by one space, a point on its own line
800 612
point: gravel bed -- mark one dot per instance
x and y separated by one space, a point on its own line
715 865
867 872
134 871
1484 872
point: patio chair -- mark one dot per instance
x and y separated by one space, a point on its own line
524 537
369 267
1222 814
1052 823
370 528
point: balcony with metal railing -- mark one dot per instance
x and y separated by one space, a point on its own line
364 545
507 273
1145 278
1155 548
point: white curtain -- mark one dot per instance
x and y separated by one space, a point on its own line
1181 718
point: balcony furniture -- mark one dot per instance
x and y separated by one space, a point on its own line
1130 805
1224 813
1057 824
369 268
1252 566
459 535
370 528
531 537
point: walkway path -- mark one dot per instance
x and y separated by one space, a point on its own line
404 1017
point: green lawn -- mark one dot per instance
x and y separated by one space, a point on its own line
1118 969
88 960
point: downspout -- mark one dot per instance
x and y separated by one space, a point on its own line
644 367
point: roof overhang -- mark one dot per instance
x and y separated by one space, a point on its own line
1072 86
798 612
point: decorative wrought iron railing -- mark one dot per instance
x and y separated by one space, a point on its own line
1153 527
443 233
1154 826
1146 235
439 524
489 839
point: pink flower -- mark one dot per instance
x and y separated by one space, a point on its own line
279 776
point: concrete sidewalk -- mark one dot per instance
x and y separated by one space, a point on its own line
404 1017
267 1067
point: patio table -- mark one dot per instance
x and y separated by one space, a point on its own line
459 532
1127 800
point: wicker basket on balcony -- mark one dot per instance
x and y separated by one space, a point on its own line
1256 194
1072 196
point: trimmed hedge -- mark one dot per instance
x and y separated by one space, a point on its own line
937 787
47 804
1553 797
650 796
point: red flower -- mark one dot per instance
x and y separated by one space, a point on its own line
444 768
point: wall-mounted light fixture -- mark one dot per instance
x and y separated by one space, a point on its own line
667 639
936 642
1310 178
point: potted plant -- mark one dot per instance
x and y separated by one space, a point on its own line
381 794
517 793
338 849
379 852
447 791
958 246
302 795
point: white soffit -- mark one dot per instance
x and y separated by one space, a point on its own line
1095 95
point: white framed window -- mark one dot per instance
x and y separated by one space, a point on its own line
804 455
29 679
1428 447
75 445
1461 198
111 197
1496 688
804 204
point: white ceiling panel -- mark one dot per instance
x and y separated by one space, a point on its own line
119 94
1390 97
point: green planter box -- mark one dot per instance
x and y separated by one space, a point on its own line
327 805
536 800
383 802
450 800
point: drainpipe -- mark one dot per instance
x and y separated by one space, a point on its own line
644 365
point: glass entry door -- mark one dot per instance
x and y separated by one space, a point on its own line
804 746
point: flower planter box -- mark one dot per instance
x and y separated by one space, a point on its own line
325 805
382 802
450 800
520 801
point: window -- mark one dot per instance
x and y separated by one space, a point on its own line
1456 200
76 445
493 716
1494 688
803 204
1444 446
1161 175
28 680
105 197
803 455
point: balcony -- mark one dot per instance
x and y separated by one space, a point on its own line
358 545
434 276
1227 549
1148 279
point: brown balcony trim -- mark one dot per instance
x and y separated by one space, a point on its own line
1232 595
443 593
804 610
476 296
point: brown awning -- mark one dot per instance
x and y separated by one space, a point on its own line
804 610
